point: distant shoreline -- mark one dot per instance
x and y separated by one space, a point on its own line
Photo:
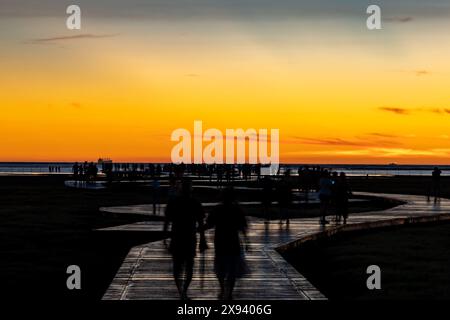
390 165
33 174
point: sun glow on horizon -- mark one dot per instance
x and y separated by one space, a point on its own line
337 95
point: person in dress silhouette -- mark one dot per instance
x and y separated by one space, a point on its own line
229 222
186 215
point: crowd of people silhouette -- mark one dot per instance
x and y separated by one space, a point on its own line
333 192
186 217
221 173
54 169
85 172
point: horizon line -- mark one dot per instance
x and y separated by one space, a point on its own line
281 163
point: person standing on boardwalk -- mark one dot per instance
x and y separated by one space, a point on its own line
186 217
156 195
174 187
284 193
342 194
266 196
229 263
436 183
325 193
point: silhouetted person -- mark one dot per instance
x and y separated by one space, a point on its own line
229 221
80 172
436 183
219 175
228 169
266 196
342 194
284 198
186 216
325 193
156 195
152 170
334 178
172 191
305 177
258 171
75 170
85 170
210 172
91 171
158 170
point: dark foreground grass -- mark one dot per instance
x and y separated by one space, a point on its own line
414 261
45 227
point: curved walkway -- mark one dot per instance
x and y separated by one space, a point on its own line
147 209
146 272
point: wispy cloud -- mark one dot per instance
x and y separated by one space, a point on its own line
422 73
382 135
326 141
399 19
417 72
400 111
68 38
407 111
437 110
378 152
366 141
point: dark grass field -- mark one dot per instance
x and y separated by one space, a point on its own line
45 227
414 262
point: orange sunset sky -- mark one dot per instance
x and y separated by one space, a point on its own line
118 87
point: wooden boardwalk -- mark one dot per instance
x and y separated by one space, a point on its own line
146 272
147 209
